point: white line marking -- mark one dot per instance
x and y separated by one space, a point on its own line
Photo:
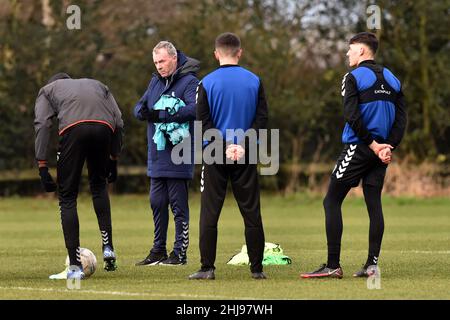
426 252
129 294
399 251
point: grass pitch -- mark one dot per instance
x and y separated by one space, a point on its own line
415 255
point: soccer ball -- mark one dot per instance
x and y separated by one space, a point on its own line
88 261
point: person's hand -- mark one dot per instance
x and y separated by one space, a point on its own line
377 147
150 115
385 155
234 152
111 173
47 180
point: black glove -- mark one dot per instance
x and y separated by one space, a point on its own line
112 171
150 115
47 180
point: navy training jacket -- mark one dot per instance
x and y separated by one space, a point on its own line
182 84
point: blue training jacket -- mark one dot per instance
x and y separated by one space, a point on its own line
377 90
233 94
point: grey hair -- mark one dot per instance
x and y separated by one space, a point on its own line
171 50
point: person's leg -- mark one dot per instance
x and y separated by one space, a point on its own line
333 220
213 189
178 199
372 188
71 157
98 154
244 181
159 201
372 196
352 164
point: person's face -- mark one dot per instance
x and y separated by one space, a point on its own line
354 53
165 64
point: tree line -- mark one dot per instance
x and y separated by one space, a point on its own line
297 47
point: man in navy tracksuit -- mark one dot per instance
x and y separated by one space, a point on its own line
169 182
376 118
233 98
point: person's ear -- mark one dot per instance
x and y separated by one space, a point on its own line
239 53
362 50
217 55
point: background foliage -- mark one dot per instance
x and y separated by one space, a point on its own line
297 47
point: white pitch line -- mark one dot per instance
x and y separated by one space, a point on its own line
129 294
426 252
400 251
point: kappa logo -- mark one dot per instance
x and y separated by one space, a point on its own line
344 163
388 92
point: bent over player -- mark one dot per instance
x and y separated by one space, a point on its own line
90 128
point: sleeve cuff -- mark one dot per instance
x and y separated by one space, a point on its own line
164 115
368 141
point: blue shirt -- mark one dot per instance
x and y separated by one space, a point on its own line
232 93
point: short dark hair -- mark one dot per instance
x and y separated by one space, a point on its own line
229 43
367 38
58 76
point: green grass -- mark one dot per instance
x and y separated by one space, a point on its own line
414 264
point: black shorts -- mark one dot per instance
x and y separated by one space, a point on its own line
356 162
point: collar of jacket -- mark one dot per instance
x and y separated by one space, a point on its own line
228 65
367 62
371 64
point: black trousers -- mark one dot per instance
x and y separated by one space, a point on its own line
245 185
88 142
356 163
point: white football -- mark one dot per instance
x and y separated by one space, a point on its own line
88 261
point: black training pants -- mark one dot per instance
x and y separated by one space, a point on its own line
245 185
356 163
90 142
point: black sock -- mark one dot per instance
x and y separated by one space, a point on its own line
371 261
372 196
102 209
333 220
107 239
74 256
333 260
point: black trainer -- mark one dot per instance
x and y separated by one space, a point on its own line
324 272
203 274
258 275
153 259
174 260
